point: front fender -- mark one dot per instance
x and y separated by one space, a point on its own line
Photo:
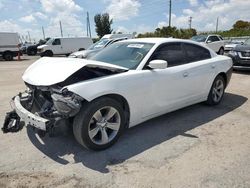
129 85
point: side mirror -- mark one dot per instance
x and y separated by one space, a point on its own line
158 64
209 41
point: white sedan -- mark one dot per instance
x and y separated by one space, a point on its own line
125 84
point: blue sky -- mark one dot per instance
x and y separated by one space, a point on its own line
128 15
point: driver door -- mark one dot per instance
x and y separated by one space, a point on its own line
57 47
171 88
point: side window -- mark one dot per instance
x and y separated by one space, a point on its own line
213 38
56 42
172 53
196 53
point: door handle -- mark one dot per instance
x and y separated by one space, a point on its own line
185 74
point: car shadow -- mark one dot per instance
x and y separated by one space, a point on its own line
244 72
137 139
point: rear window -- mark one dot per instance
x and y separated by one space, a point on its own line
196 53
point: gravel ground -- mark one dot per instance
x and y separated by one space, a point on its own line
198 146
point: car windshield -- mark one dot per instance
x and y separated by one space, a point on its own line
199 38
98 45
247 42
125 54
49 41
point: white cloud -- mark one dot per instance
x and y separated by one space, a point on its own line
11 26
66 12
123 9
142 28
188 11
193 2
28 19
205 15
60 6
40 15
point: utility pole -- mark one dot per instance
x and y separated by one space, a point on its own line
43 33
170 12
88 26
217 23
61 28
29 36
190 22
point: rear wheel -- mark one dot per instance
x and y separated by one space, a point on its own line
221 51
217 91
8 56
99 124
48 53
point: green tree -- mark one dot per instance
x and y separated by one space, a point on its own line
240 24
103 24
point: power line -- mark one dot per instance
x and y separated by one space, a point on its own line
217 23
88 26
61 28
170 10
43 33
190 22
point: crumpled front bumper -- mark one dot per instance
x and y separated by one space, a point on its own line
28 117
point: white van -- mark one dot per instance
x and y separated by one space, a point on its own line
9 45
64 46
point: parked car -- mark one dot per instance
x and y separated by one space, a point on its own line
123 85
9 45
64 46
232 44
215 42
241 56
24 46
95 48
32 49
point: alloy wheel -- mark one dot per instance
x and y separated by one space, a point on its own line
104 125
218 90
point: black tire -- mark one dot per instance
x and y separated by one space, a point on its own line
211 100
8 56
32 52
81 49
82 123
48 53
221 51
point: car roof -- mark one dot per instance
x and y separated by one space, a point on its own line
160 40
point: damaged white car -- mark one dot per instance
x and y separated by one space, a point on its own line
125 84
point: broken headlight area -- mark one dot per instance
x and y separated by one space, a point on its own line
43 108
67 104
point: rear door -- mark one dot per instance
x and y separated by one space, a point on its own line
201 69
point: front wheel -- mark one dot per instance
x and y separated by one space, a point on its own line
217 91
99 124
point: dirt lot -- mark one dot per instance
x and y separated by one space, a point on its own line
198 146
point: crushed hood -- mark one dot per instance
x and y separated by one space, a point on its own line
42 46
49 70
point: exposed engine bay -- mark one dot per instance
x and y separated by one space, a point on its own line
54 103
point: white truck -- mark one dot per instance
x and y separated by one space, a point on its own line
9 45
214 42
64 46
